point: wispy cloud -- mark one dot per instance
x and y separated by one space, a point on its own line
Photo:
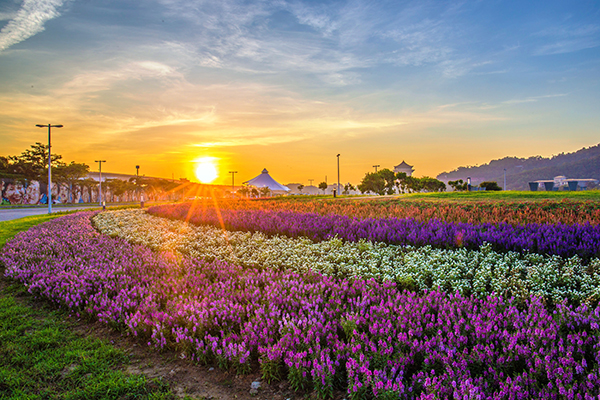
568 39
533 99
28 21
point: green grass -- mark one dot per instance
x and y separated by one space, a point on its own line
41 357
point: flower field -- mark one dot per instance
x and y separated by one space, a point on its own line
477 272
226 297
553 239
564 211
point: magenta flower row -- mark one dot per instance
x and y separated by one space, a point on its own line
321 333
554 239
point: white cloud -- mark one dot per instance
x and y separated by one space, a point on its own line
28 21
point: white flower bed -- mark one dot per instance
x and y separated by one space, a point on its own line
478 272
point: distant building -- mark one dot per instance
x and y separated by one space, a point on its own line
561 182
404 167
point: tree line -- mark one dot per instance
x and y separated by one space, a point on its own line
386 181
25 179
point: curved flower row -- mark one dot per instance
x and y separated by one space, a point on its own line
474 212
478 272
321 332
558 239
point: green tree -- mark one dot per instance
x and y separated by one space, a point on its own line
401 182
413 184
348 187
458 185
32 164
71 174
323 186
432 185
300 187
390 180
373 182
490 185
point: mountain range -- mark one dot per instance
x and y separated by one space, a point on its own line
581 164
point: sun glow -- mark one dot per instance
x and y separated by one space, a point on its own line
206 171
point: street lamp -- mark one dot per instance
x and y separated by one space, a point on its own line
338 165
49 163
376 167
137 180
100 187
232 179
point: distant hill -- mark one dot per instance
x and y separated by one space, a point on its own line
584 163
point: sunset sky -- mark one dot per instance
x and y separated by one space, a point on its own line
287 85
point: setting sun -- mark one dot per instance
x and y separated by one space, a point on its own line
206 171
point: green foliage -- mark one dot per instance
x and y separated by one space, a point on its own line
386 182
380 182
348 187
372 182
32 164
71 173
459 185
491 185
323 186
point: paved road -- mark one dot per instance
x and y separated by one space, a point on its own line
15 213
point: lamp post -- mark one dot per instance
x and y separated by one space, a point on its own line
137 180
376 167
100 187
232 179
310 181
49 163
338 165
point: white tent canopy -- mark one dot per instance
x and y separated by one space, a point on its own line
265 180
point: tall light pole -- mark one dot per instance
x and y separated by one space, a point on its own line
100 187
376 167
232 179
137 180
338 185
49 163
310 181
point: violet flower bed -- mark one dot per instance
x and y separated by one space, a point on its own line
321 333
552 239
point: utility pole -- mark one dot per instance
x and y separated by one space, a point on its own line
49 163
100 187
137 180
338 165
232 179
310 181
376 167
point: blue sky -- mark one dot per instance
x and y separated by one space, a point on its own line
287 85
